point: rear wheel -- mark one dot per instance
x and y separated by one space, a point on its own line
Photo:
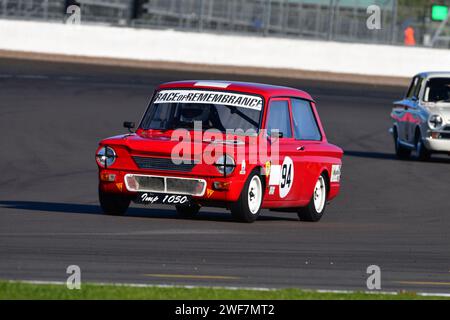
187 212
248 206
400 151
316 207
113 204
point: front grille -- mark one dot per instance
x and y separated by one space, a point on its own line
151 183
144 183
183 186
444 133
162 164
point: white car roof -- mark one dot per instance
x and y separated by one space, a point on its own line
435 74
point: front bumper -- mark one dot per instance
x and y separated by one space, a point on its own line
438 145
208 192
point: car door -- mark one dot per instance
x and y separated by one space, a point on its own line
307 143
282 177
402 111
413 113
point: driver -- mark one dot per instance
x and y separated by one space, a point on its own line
194 112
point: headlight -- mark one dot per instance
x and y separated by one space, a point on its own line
435 121
225 164
106 156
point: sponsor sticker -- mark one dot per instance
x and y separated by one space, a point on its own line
271 190
335 173
209 97
242 167
275 175
267 167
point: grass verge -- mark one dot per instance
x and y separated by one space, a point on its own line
10 290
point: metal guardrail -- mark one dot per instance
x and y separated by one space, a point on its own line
32 9
340 20
108 11
270 17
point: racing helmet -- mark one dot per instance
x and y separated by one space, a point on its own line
194 112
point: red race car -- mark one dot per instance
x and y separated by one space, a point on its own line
240 146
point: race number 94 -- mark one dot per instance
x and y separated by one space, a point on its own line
287 177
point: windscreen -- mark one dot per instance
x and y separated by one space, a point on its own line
175 109
437 90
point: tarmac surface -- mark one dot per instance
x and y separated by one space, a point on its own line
391 213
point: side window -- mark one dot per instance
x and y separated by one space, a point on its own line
305 124
412 88
418 87
279 118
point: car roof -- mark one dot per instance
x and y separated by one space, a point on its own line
265 90
434 74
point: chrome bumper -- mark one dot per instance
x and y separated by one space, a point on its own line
163 184
440 145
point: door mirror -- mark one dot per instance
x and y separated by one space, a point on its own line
129 125
274 134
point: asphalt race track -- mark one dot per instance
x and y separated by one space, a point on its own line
391 213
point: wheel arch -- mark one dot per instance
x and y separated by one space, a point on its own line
260 171
418 132
262 176
395 129
327 175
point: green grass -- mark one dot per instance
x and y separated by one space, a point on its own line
23 291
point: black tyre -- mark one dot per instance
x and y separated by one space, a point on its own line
187 212
248 206
421 152
113 204
400 151
315 209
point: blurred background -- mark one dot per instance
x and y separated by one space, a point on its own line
403 22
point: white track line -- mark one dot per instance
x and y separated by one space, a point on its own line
143 285
31 76
118 234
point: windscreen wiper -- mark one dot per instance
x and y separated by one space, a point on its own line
243 115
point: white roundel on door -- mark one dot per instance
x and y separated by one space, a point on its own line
286 177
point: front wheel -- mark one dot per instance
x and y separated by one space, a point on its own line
313 212
421 152
113 204
248 206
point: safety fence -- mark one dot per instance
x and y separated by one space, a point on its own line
338 20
